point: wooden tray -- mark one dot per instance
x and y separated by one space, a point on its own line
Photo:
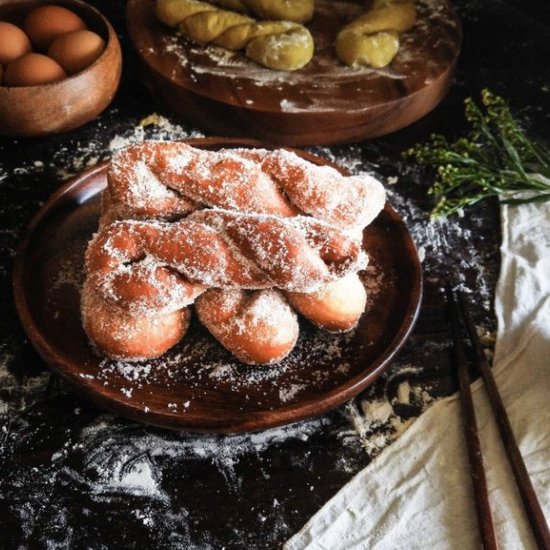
323 103
198 385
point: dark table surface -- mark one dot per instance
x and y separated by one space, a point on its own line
74 476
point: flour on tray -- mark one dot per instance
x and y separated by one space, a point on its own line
320 91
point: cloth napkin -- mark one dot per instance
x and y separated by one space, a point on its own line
417 493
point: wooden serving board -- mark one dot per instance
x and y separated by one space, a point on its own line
322 103
198 385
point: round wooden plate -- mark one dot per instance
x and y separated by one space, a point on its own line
198 385
323 103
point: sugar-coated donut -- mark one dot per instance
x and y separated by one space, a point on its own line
251 236
257 327
166 180
336 306
141 266
120 335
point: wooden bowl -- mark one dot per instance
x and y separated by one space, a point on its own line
322 103
197 385
61 106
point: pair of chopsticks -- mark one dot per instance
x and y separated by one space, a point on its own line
460 316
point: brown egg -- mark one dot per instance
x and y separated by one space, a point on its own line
13 42
45 23
32 69
76 50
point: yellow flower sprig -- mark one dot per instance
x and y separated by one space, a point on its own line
495 158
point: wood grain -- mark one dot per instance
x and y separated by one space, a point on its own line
323 103
65 105
198 385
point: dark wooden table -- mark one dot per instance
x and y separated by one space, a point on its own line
73 476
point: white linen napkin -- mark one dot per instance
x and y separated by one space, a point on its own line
417 493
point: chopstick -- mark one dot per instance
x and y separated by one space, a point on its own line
535 515
477 469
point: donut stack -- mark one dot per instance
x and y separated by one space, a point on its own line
250 237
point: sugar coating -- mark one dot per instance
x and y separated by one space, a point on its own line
275 182
179 220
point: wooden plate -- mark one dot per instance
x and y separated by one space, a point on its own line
325 102
197 385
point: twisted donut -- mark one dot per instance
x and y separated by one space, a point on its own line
335 306
280 45
170 179
121 335
140 279
243 179
144 266
257 327
373 38
298 11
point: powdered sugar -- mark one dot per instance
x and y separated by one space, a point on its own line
280 251
267 309
249 180
203 364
